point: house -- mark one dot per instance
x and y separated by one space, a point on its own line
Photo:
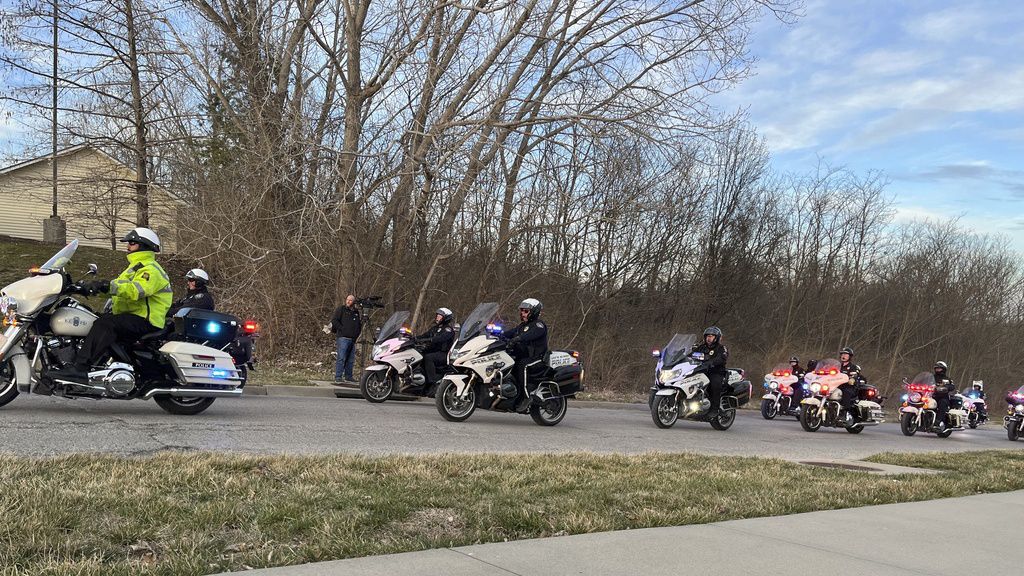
95 197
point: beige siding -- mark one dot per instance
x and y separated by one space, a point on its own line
95 198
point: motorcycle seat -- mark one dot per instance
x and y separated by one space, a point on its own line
156 334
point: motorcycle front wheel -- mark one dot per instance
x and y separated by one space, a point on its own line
664 411
769 409
908 424
724 419
1012 430
375 386
810 418
549 413
8 387
450 406
182 406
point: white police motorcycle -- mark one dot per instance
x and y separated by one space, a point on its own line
680 387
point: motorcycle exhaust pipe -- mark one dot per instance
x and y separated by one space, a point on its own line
194 392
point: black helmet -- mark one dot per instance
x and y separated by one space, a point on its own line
533 306
847 350
713 331
445 314
144 237
793 359
811 365
940 366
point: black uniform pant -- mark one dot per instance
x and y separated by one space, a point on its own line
716 386
107 329
431 362
849 397
798 395
941 408
517 378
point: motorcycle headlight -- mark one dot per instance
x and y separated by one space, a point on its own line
914 397
815 387
668 375
379 349
773 385
1019 408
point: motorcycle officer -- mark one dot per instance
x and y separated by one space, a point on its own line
198 295
978 388
798 386
849 390
943 387
141 296
715 357
436 342
528 343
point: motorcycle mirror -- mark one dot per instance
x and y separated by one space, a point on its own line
93 269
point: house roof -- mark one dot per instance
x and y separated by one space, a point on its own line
73 150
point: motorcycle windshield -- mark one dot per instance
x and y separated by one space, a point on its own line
923 379
782 370
61 258
477 320
677 349
392 326
827 366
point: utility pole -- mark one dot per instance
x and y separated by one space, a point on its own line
53 127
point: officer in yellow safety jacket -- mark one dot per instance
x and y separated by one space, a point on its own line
141 296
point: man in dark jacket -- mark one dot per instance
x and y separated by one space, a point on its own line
943 389
849 390
715 357
436 342
346 324
198 295
798 386
528 343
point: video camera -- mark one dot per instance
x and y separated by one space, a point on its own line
370 302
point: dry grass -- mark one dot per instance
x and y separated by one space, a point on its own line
203 513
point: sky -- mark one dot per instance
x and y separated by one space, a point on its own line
930 92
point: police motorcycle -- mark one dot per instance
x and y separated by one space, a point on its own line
479 362
44 327
680 387
919 412
976 407
823 408
778 398
1014 419
397 363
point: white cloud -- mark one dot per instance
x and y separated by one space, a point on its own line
949 25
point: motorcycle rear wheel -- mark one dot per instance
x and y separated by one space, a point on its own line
8 387
769 409
549 413
375 386
1012 432
724 419
664 411
183 406
810 418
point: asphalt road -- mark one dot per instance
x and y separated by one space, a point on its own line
266 424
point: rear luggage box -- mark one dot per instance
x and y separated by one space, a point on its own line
197 325
740 386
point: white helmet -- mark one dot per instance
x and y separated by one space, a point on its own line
145 237
199 275
979 384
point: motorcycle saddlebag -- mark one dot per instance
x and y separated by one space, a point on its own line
566 371
205 326
198 364
741 390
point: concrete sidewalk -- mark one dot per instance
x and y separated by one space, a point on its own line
892 540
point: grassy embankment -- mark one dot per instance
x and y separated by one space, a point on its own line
202 513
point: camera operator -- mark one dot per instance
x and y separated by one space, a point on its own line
346 324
